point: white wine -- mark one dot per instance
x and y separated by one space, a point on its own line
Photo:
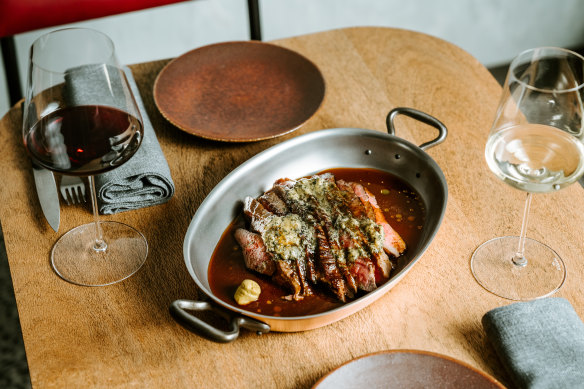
535 158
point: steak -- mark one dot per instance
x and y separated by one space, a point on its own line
319 232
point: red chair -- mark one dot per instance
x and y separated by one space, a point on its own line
17 16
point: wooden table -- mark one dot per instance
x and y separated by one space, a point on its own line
123 335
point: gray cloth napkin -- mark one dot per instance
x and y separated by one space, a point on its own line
541 342
144 180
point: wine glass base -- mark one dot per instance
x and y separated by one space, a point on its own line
493 268
75 260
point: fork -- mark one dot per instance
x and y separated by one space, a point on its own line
72 189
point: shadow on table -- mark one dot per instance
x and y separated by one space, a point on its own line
13 366
475 335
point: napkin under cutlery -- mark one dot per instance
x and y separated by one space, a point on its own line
144 180
541 342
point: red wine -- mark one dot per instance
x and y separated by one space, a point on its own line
84 140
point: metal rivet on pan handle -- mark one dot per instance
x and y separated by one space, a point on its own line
421 116
178 310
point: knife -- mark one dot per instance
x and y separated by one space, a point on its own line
48 196
47 191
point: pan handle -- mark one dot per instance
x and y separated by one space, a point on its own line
178 310
421 116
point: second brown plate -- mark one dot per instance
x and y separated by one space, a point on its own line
407 369
239 91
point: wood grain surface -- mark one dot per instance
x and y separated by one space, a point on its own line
123 335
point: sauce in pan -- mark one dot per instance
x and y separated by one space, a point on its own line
403 209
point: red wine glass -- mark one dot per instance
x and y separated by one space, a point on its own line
81 119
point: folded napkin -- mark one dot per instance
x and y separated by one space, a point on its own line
541 342
144 180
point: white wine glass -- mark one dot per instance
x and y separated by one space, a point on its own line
535 145
80 118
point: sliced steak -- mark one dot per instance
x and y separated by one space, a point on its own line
255 254
273 203
319 231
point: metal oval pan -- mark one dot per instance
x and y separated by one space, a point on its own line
301 156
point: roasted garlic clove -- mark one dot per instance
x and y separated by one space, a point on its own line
247 292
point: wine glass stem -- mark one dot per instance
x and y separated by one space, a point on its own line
519 257
99 244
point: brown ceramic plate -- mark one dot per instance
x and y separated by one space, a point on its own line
239 91
406 369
